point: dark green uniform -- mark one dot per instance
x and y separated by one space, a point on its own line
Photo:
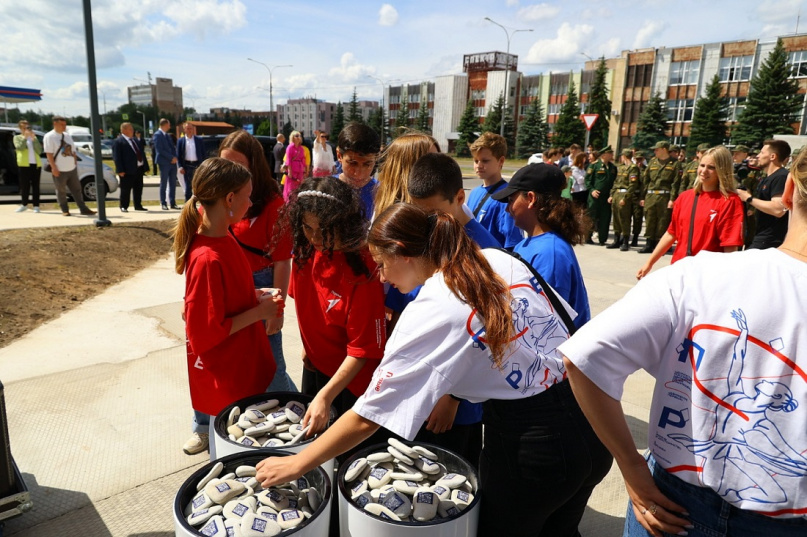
638 210
600 176
622 194
657 183
751 182
687 181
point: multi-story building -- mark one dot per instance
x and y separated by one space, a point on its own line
162 95
309 114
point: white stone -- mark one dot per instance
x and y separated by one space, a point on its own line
214 527
243 422
235 412
224 491
246 471
236 509
214 472
260 429
254 525
407 476
273 499
248 441
290 518
278 417
255 416
447 509
266 512
200 501
286 437
314 498
403 448
301 483
273 442
461 499
400 456
381 511
282 427
355 469
381 456
358 488
425 452
398 503
427 466
264 406
452 480
300 435
424 504
201 516
380 475
444 493
233 527
363 499
407 487
232 438
294 411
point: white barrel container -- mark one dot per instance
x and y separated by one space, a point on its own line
356 522
225 446
316 526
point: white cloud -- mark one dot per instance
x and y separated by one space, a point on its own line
538 12
387 15
601 12
511 3
446 65
610 48
77 89
778 11
647 31
566 45
350 70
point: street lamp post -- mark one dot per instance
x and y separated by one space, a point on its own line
271 102
509 33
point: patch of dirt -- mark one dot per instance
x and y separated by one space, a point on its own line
47 271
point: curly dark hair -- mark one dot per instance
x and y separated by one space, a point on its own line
340 219
562 216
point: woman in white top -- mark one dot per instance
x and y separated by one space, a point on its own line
579 191
323 156
491 337
727 440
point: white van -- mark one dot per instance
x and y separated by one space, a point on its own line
82 138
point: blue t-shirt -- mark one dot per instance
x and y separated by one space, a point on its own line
467 413
555 261
494 216
366 196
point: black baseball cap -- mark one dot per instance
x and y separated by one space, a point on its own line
541 178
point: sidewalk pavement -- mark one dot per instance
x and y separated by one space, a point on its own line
98 405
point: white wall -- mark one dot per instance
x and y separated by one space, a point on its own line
450 99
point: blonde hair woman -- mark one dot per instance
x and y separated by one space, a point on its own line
708 217
394 166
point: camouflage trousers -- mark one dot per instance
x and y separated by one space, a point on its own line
622 213
656 215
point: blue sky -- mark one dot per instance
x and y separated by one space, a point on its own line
333 46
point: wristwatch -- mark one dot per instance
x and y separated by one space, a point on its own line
749 200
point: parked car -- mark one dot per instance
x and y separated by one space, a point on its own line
213 141
536 158
9 175
106 149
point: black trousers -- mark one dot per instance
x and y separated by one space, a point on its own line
464 440
131 183
29 183
541 460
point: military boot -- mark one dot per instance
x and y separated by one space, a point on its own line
617 241
649 247
624 247
635 241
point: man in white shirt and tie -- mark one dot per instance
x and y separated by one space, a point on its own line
130 165
190 153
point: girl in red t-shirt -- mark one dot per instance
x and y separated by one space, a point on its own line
338 296
266 245
229 357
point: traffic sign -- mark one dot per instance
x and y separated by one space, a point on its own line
589 120
125 117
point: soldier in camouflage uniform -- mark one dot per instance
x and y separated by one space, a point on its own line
689 174
621 200
749 183
657 182
638 210
600 178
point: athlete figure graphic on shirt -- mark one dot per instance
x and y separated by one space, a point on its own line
538 333
755 450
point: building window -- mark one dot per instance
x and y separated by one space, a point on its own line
529 91
684 73
414 98
522 111
559 87
734 107
735 69
480 111
554 109
798 60
680 110
477 95
413 113
431 97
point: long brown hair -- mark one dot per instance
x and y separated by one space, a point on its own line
562 216
409 231
213 180
394 165
264 186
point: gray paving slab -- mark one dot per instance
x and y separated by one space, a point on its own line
97 418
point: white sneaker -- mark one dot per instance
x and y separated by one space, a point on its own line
36 209
21 208
196 444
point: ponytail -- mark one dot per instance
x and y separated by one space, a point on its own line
409 231
213 180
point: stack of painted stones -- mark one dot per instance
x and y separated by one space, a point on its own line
267 424
406 483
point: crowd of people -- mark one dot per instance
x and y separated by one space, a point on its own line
460 320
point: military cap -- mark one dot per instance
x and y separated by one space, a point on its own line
740 149
565 169
755 152
606 149
627 153
675 148
703 147
639 154
662 145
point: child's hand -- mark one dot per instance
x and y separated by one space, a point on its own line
271 306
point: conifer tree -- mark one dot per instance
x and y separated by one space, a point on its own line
569 129
652 124
773 101
423 118
402 118
600 104
708 121
493 119
533 132
338 121
354 114
468 129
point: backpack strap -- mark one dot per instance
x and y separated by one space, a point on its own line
248 248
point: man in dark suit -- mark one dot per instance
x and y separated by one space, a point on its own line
191 153
166 159
130 165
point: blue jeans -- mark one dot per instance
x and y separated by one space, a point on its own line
203 423
282 382
168 181
710 514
